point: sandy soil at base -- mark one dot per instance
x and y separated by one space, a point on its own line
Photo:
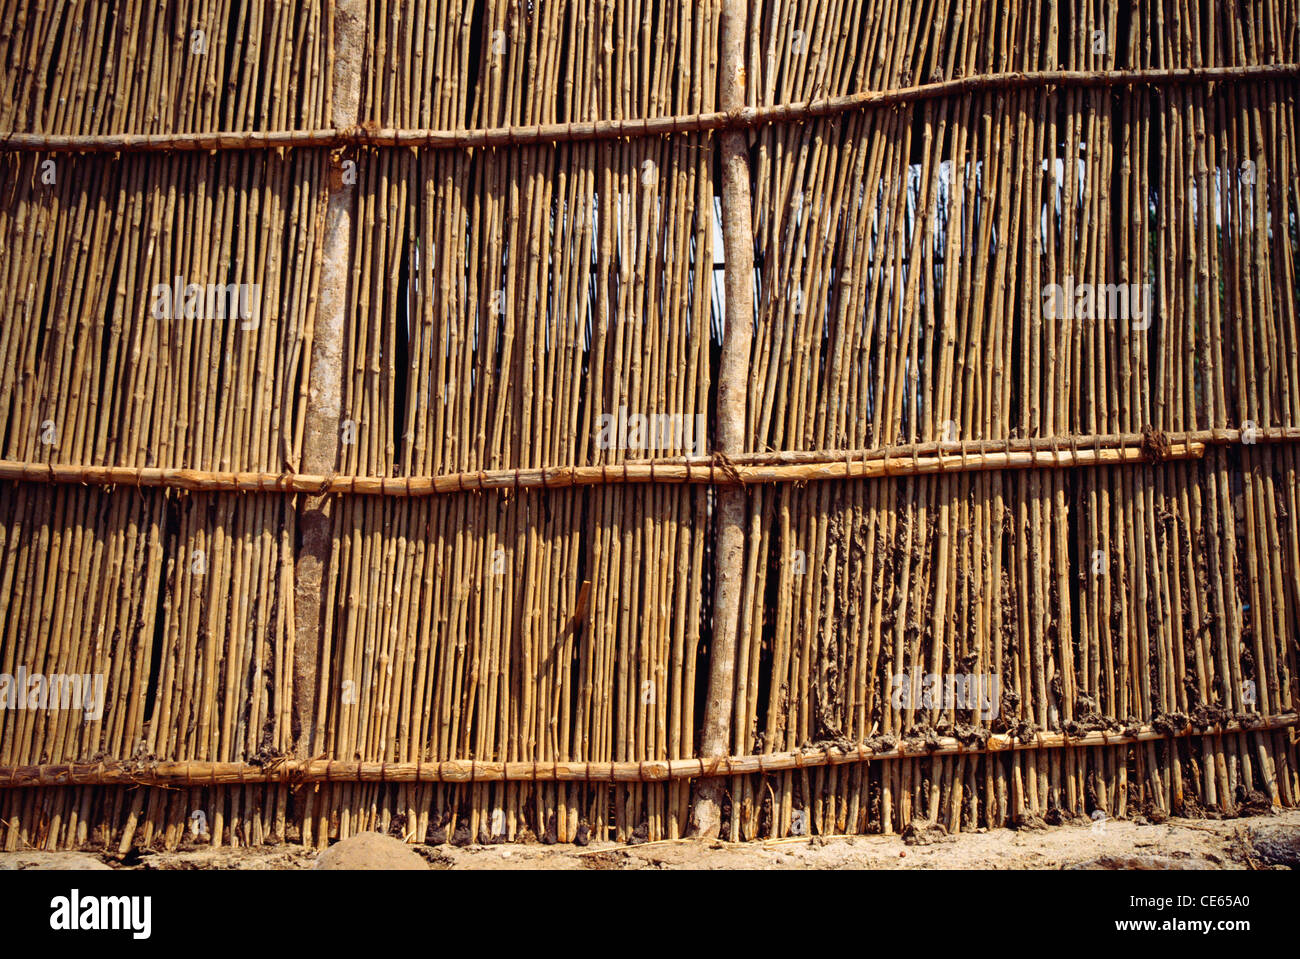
1172 844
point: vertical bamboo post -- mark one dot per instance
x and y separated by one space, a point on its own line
324 397
730 439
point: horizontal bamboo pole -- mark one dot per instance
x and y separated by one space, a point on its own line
802 467
191 774
716 472
744 118
1215 437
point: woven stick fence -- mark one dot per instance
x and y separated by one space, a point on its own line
737 118
1017 409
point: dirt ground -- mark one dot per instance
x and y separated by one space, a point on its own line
1173 844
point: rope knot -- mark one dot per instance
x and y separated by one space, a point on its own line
724 463
1155 445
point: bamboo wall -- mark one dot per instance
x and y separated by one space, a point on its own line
500 300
